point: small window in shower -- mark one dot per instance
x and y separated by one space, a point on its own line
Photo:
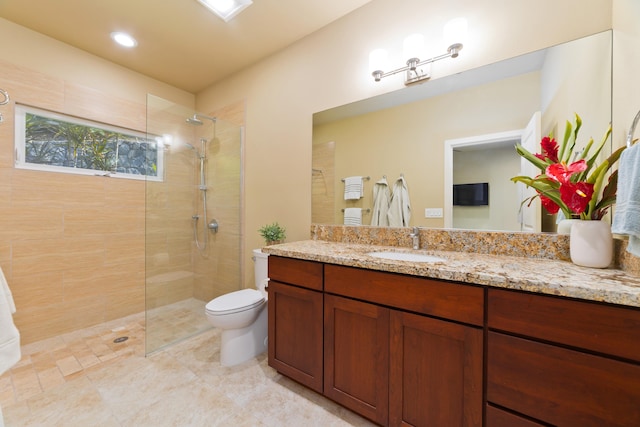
58 143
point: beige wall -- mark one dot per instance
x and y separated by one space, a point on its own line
626 72
567 71
330 68
71 246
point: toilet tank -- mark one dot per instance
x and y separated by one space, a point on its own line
260 266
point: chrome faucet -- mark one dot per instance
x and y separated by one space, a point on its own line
415 237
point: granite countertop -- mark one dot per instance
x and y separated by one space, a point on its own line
544 276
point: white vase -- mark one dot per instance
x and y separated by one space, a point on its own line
591 244
564 226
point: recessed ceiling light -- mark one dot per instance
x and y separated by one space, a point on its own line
124 39
226 9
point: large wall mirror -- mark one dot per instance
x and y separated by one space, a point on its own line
461 129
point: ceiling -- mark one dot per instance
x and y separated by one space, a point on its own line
179 41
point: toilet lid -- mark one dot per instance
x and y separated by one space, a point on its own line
235 301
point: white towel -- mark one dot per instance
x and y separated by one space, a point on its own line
381 199
353 216
9 335
353 188
626 219
399 208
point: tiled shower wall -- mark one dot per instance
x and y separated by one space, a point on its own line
71 246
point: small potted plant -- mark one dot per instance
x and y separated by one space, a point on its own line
273 233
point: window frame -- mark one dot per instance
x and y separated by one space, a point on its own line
21 111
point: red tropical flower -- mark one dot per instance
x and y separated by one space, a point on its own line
576 196
576 189
561 173
549 204
549 150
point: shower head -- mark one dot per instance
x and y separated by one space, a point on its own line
195 120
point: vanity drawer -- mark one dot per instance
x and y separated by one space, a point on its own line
499 418
602 328
306 274
560 386
452 301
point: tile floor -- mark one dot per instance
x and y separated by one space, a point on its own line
85 379
167 324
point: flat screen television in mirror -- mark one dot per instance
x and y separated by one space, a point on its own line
476 194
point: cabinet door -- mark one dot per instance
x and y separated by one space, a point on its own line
295 333
436 372
356 355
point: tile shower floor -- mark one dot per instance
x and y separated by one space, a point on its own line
85 379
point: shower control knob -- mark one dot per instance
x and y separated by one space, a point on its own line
213 225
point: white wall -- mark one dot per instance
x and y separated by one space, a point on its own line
330 68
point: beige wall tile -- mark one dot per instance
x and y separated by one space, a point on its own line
85 102
36 289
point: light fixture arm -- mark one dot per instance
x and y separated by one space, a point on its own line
414 74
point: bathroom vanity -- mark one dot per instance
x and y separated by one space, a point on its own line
457 343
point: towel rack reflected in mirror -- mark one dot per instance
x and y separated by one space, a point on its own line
363 210
3 101
632 130
5 97
364 178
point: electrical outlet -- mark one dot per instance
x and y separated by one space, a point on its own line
433 213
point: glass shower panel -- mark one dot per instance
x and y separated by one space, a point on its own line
188 261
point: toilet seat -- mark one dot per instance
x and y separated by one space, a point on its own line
235 302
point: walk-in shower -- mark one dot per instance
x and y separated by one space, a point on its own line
196 120
202 161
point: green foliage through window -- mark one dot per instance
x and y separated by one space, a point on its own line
52 140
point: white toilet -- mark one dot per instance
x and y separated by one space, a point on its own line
242 316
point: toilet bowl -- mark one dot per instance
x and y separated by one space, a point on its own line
242 317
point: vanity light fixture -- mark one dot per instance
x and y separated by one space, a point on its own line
124 39
413 46
226 9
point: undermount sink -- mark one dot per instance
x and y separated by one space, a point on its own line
406 256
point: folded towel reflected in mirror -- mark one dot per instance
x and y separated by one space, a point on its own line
353 188
353 216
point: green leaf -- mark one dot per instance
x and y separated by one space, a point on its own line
540 164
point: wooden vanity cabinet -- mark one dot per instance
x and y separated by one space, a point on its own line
390 359
561 362
404 350
295 320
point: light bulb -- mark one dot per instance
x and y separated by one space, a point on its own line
124 39
413 47
377 60
455 32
